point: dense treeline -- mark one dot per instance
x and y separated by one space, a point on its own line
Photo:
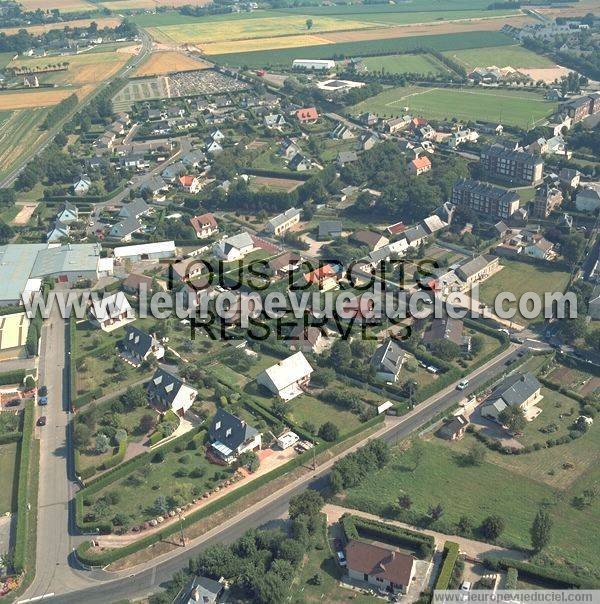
403 196
355 467
58 112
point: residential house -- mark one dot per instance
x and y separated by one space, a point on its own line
284 264
448 329
588 199
283 222
217 135
205 225
367 141
519 390
570 177
542 249
547 199
396 228
342 132
165 391
68 214
201 590
135 283
299 163
329 229
138 346
190 183
274 121
125 229
234 247
111 312
31 81
173 171
383 569
454 428
307 115
346 157
388 360
289 149
193 159
415 236
394 125
288 378
58 232
213 147
371 239
432 224
368 119
187 269
325 277
231 436
81 185
134 160
478 269
155 186
307 338
135 209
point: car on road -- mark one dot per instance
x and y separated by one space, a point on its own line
503 330
341 558
41 421
43 391
464 589
43 400
517 339
462 384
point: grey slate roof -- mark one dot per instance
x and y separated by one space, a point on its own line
474 266
330 228
136 342
514 390
388 357
222 423
164 386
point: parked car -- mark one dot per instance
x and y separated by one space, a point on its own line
462 384
433 369
14 402
43 400
341 558
41 421
43 391
464 588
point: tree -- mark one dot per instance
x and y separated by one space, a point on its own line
541 529
308 503
6 232
249 460
436 512
279 408
492 527
160 505
464 525
309 24
102 444
513 418
134 398
329 432
476 454
445 350
147 423
82 436
404 502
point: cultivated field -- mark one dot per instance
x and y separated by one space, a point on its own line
400 18
139 4
28 100
242 29
502 56
159 63
39 29
406 63
65 6
19 132
516 108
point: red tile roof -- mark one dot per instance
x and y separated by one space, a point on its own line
203 221
421 163
379 562
320 273
186 180
394 229
308 114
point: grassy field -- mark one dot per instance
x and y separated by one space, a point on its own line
406 7
19 132
242 29
502 56
117 5
441 42
516 108
8 463
518 278
38 29
405 63
402 18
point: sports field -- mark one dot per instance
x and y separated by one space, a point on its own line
159 63
19 133
405 63
515 108
242 29
501 56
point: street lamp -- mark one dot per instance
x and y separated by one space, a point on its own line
181 518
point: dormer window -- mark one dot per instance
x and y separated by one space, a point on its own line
218 426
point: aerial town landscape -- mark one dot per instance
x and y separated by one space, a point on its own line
298 300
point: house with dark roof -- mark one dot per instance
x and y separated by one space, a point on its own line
384 569
329 229
299 163
388 360
166 391
371 239
231 436
201 590
449 329
415 236
138 346
519 390
454 428
306 339
478 269
69 213
285 263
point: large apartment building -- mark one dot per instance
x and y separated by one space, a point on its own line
515 167
579 108
485 198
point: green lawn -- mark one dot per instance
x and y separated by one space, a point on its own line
501 56
405 63
515 108
307 408
399 18
520 277
8 464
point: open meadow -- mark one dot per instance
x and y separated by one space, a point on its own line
116 5
501 56
405 63
39 29
516 108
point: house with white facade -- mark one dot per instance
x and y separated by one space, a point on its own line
165 391
231 436
287 378
111 312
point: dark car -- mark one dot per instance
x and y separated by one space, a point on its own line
14 402
43 391
41 421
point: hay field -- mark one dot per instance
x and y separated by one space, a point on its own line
19 132
139 4
244 29
159 63
278 42
40 29
65 6
30 99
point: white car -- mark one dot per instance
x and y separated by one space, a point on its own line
341 558
462 384
465 588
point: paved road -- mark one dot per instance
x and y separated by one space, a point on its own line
110 587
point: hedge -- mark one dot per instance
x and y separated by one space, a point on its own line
450 557
512 578
22 530
107 557
71 360
10 437
12 377
395 535
559 578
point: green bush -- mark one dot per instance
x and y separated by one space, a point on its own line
12 377
450 557
512 577
10 437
